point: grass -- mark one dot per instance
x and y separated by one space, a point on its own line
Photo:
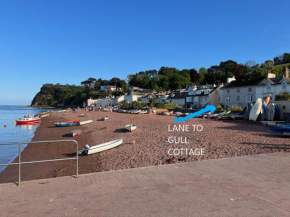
281 65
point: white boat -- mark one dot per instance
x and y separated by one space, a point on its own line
87 150
143 112
84 115
130 127
135 111
76 132
256 110
42 116
84 122
104 118
272 123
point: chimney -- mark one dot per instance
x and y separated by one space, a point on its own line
271 75
229 80
286 72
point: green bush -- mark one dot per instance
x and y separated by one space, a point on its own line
219 108
166 105
237 109
283 97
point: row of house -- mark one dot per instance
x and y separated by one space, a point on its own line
242 92
192 96
232 94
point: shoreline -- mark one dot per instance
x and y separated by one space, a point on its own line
235 138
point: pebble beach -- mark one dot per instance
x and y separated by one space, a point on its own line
147 146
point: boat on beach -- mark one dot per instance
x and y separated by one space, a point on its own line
28 119
76 133
74 121
84 115
63 124
130 127
45 115
272 123
143 112
87 150
284 129
104 118
84 122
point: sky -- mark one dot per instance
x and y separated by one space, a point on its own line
68 41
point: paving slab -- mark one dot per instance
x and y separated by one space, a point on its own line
251 186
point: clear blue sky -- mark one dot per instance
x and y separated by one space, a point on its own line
59 41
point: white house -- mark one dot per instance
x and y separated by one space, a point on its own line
135 93
108 88
244 91
208 94
177 97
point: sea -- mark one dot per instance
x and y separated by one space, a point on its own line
9 132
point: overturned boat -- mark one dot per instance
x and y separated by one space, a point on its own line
130 127
87 150
76 132
104 118
84 122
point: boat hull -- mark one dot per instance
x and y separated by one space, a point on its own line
102 147
84 122
19 122
63 124
281 129
130 128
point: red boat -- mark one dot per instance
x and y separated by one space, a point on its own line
28 119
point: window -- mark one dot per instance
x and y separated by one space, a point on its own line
284 85
228 91
238 98
249 98
268 86
250 90
188 99
238 90
228 99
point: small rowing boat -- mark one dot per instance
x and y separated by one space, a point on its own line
87 150
104 118
84 122
76 133
130 127
63 124
46 115
84 115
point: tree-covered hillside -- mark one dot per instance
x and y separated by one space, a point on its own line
164 79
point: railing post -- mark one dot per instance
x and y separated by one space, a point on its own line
77 144
19 164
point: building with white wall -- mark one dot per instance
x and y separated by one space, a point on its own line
244 91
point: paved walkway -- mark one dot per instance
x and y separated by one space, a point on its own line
244 186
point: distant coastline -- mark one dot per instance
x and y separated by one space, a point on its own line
40 107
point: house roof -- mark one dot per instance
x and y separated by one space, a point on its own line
178 95
255 82
279 80
244 82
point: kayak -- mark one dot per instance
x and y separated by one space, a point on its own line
63 124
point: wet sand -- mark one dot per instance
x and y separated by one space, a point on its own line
220 139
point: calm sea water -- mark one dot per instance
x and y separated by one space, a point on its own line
14 133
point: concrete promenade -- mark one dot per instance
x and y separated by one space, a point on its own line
252 186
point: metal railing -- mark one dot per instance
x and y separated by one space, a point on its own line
41 161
